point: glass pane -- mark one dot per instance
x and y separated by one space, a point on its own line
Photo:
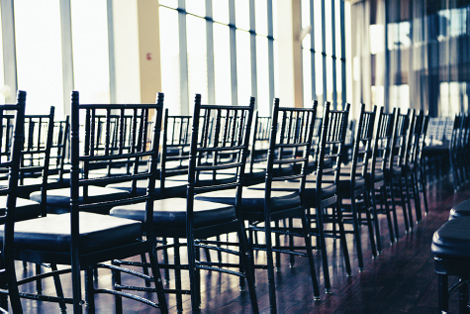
243 67
197 7
261 11
262 69
317 26
222 64
170 63
197 58
328 28
38 54
338 28
307 76
305 10
329 78
220 11
319 77
242 14
90 50
170 3
339 82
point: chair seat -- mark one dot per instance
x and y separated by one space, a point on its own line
253 200
61 197
25 209
171 213
310 194
460 210
452 240
52 233
172 188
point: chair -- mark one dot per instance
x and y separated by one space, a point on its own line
326 185
85 240
276 200
59 160
376 181
451 250
12 137
352 181
420 168
219 141
393 168
455 151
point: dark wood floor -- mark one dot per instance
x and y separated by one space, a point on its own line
401 279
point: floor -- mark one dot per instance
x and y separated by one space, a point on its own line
400 280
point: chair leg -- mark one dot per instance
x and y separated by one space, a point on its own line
408 227
443 294
291 243
165 261
179 299
116 277
423 183
145 269
270 264
277 244
192 273
357 236
463 296
408 200
394 209
157 280
90 289
58 288
415 188
308 246
367 207
344 243
322 244
246 260
13 291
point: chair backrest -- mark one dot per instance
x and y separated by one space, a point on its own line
416 128
331 145
400 138
141 156
60 153
383 141
422 139
174 157
290 141
219 142
260 140
362 149
11 144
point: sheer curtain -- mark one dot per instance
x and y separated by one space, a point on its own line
411 54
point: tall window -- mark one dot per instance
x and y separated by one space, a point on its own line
222 49
90 50
324 52
2 75
38 53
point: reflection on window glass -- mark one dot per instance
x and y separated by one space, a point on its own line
329 79
262 65
38 53
220 11
197 58
242 14
90 50
197 7
243 67
338 28
222 64
170 62
339 83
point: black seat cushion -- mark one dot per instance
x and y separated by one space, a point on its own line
52 233
452 239
61 197
172 188
171 213
253 200
460 210
25 209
